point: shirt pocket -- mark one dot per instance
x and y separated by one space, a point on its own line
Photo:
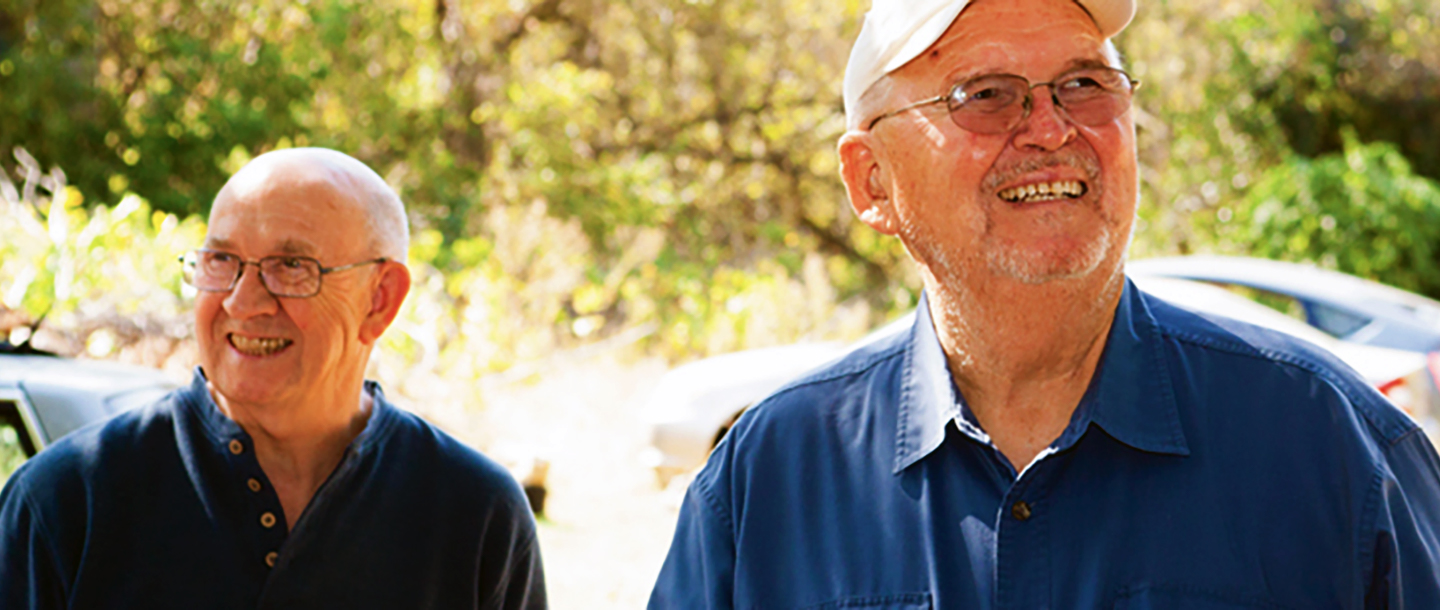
899 601
1169 597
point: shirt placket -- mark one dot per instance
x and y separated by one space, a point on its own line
263 513
1022 549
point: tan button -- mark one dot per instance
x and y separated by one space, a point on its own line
270 558
1021 511
267 520
236 447
253 484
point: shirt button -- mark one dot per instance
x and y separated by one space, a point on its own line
236 447
1021 511
267 520
270 558
253 484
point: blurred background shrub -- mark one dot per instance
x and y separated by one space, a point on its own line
657 173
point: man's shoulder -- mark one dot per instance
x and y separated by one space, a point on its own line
74 464
435 455
840 383
1217 345
809 417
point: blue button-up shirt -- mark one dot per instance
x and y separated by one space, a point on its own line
167 507
1210 464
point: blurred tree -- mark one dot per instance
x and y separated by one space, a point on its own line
1234 87
150 97
1361 211
687 146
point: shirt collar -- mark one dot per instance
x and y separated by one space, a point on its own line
1131 396
220 429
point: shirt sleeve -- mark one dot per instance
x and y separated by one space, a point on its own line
511 574
699 572
1405 571
29 573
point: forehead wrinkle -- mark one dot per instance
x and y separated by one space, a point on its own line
999 59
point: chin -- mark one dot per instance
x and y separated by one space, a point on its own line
245 386
1041 265
245 390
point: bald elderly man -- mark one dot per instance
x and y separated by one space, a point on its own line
1046 435
280 478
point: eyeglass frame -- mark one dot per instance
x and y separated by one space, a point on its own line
1028 102
240 271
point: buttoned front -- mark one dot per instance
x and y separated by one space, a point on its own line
1021 510
167 507
1209 464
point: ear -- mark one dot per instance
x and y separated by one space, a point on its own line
865 182
385 300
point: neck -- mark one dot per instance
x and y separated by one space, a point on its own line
1023 355
298 445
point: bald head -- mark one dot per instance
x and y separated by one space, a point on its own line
387 226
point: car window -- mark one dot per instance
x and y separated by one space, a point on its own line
15 444
1282 303
1337 322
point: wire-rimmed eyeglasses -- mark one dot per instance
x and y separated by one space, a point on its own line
998 103
282 276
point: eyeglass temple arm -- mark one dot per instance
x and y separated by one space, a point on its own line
934 100
373 261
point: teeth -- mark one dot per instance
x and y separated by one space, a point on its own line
1044 191
258 346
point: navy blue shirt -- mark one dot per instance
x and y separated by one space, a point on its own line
1210 464
166 507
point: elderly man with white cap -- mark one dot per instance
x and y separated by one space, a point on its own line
1045 435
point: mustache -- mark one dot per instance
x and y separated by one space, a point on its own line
1066 157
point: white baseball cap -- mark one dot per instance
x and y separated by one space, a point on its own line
897 31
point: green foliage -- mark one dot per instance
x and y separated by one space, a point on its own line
666 163
1235 87
76 266
709 126
1361 211
12 453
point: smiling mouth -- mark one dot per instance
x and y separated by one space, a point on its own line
258 346
1045 191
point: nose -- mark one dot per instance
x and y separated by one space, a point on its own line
249 298
1046 128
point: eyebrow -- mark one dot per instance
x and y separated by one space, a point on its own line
1085 62
1074 64
289 246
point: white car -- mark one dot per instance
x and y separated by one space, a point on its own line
695 404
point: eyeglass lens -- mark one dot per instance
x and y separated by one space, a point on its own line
282 275
998 103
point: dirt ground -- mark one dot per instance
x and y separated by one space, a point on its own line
607 525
